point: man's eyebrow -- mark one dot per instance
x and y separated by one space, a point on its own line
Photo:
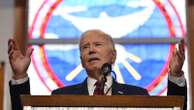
81 45
99 42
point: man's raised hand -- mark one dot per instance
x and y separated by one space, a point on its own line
18 61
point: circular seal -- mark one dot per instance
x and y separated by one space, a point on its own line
144 65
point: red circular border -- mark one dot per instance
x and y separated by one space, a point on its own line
150 87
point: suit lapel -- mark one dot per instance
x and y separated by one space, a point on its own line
84 88
116 90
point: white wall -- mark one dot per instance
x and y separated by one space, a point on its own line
6 31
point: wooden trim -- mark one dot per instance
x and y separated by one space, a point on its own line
20 3
191 48
116 40
102 101
20 24
191 2
1 85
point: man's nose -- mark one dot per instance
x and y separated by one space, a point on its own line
92 49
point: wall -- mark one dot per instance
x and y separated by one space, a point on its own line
6 31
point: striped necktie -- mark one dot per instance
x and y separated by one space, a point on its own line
99 90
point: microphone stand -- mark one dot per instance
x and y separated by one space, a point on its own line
106 68
102 84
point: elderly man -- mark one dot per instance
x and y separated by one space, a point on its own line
96 49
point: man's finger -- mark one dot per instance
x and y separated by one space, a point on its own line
173 56
181 46
9 41
9 49
29 52
175 52
179 57
13 43
11 55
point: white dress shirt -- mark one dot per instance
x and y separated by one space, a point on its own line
180 81
108 85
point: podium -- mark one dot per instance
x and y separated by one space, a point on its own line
80 102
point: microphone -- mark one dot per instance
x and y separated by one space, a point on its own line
106 68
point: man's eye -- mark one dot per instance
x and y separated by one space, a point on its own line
85 47
98 44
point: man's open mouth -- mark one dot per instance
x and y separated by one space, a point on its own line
93 59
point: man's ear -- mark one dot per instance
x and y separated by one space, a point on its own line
114 55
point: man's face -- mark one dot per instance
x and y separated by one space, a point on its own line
96 49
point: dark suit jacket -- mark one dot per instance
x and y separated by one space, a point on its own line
173 89
117 89
81 89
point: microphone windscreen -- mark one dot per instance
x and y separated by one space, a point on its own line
106 68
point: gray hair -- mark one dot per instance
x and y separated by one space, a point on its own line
109 38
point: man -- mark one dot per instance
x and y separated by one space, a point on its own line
96 49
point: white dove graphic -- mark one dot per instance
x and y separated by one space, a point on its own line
115 26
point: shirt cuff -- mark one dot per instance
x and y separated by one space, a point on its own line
19 81
180 81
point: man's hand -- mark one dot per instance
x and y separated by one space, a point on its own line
18 61
177 61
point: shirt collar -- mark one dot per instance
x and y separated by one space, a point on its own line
91 81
